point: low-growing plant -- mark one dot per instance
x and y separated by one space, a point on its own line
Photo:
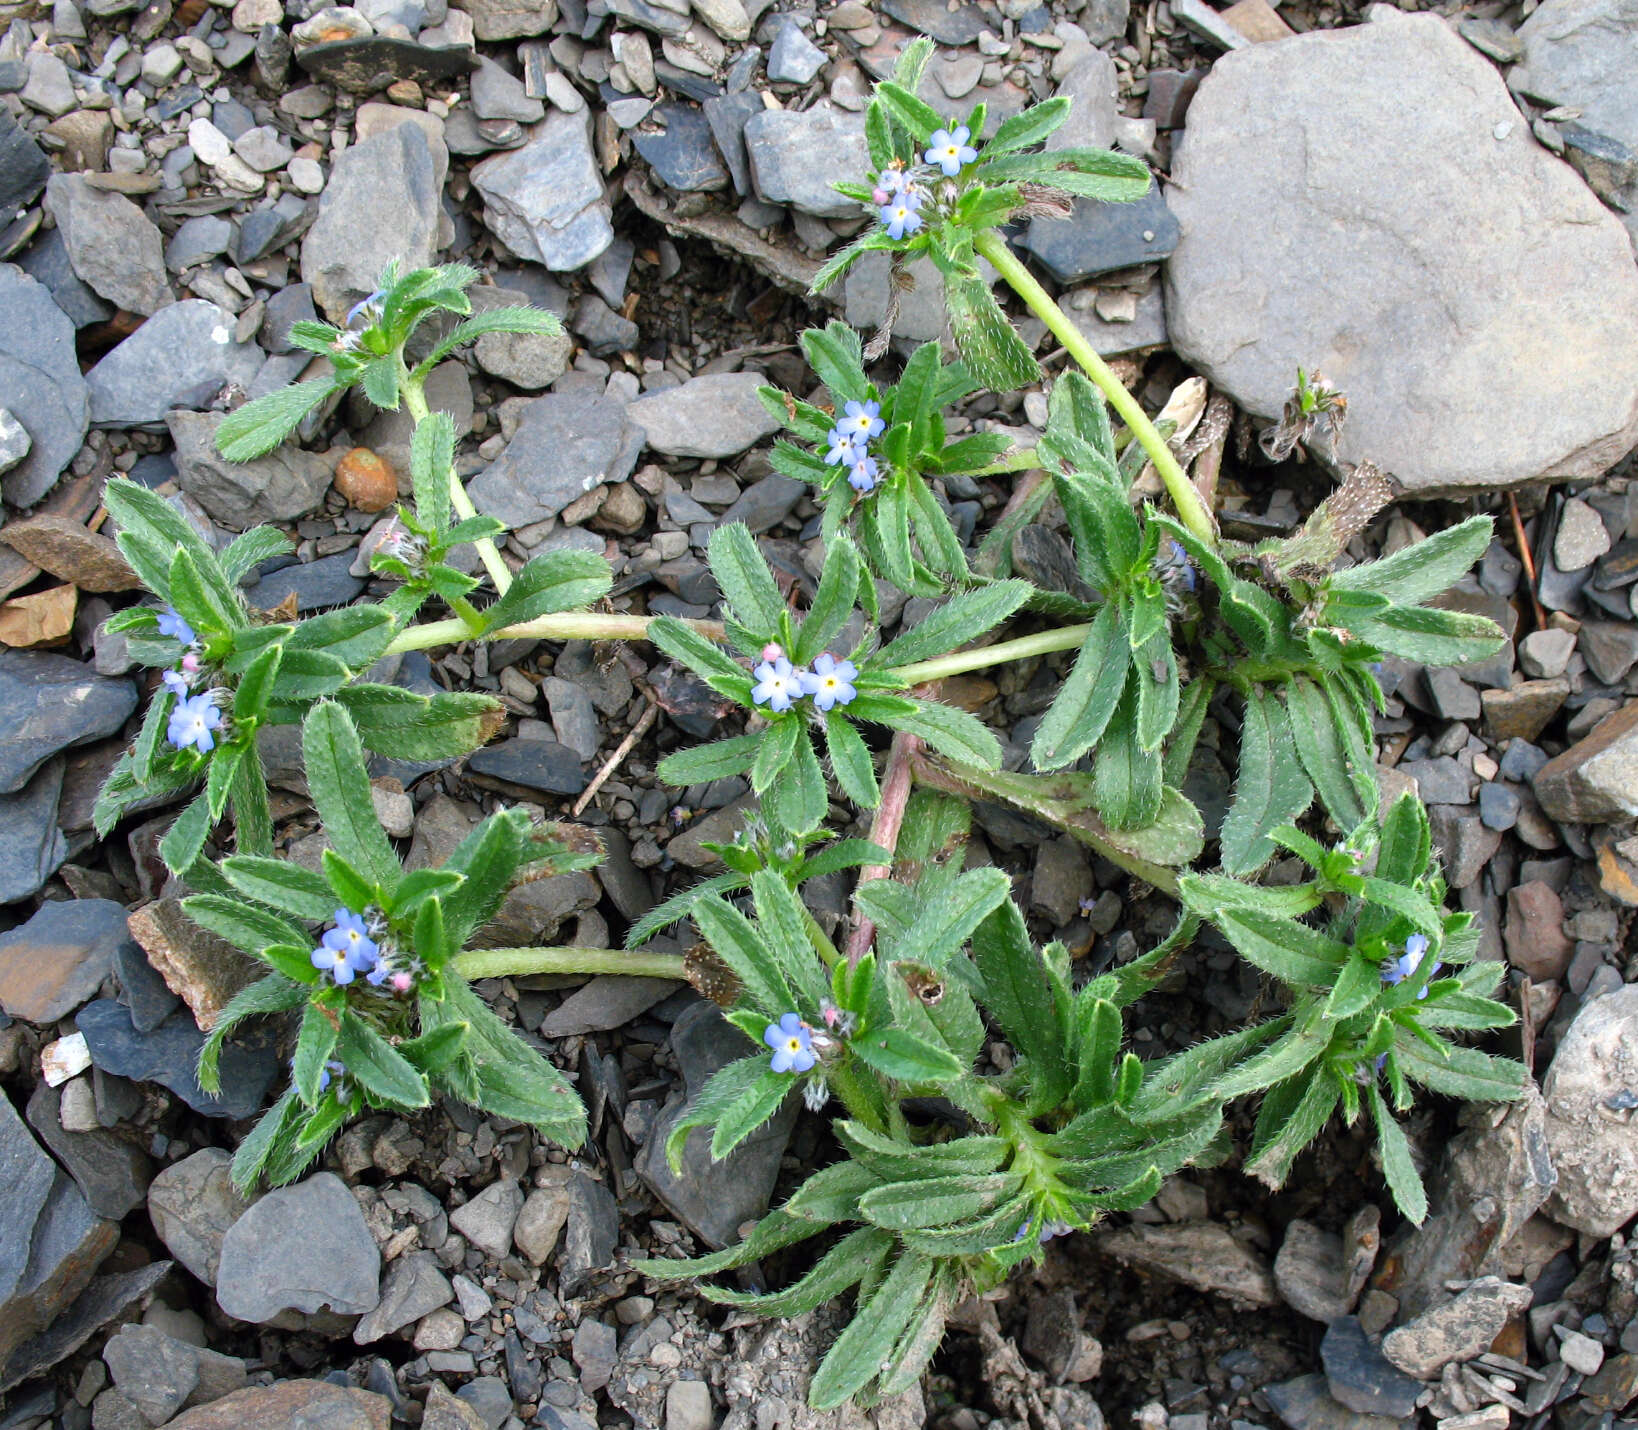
982 1095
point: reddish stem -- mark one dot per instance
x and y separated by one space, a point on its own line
884 831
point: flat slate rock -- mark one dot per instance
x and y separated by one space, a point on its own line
181 357
281 486
682 151
113 245
110 1170
565 444
24 167
97 1305
367 65
169 1055
191 1204
69 1241
545 200
797 155
302 1248
40 384
1409 251
1101 238
27 1173
32 844
716 415
56 961
48 704
541 765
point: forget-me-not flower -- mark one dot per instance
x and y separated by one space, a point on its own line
346 950
171 624
949 150
792 1045
1396 970
900 216
862 420
193 722
364 307
778 685
863 473
843 448
830 682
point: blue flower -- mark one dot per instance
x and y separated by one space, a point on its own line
175 682
351 937
863 473
1396 970
193 723
862 420
843 448
171 624
830 682
900 216
778 685
949 150
791 1043
1184 566
364 305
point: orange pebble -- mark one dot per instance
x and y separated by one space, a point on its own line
366 481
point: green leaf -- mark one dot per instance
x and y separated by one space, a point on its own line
1087 173
436 1049
272 994
432 454
340 788
799 799
493 320
1398 1165
1271 939
356 892
314 1044
1271 789
264 1139
1154 669
1126 778
850 761
832 602
281 885
854 1257
904 1056
557 581
355 635
918 117
782 922
915 397
747 584
419 885
700 764
1032 126
1423 569
1463 1072
224 766
953 732
1431 636
256 685
937 1201
1303 1113
1328 747
1019 994
946 925
244 553
988 343
836 355
962 619
258 427
1357 985
712 664
738 944
725 1087
184 841
1086 701
1108 540
750 1110
379 1068
861 1349
403 725
242 924
381 382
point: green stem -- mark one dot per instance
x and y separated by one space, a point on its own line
570 626
1041 643
1190 509
415 399
518 962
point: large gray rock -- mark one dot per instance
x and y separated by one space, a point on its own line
58 959
381 203
1596 779
1584 53
510 19
1455 1330
565 445
1589 1126
300 1248
545 201
40 384
718 415
1410 250
182 356
797 156
192 1204
112 244
278 487
50 703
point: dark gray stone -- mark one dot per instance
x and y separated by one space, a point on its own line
105 1298
1442 780
1361 1377
155 1372
46 259
50 703
364 66
315 584
499 95
545 201
112 244
960 26
609 1001
1306 1403
198 240
58 959
794 59
181 357
716 415
300 1248
27 1174
69 1242
24 167
1499 806
1100 238
40 384
565 445
713 1198
32 846
766 503
141 988
592 1232
682 152
604 330
287 307
281 486
542 765
414 1287
191 1204
796 156
112 1171
169 1054
728 115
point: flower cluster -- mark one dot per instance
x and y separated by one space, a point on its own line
850 440
356 945
798 1046
897 194
1396 970
779 684
196 721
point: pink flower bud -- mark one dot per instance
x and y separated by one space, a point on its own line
190 662
402 983
772 651
879 197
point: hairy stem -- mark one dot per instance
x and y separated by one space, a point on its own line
517 962
981 658
1191 510
884 830
570 626
415 399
